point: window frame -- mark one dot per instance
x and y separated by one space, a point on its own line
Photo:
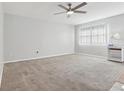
106 27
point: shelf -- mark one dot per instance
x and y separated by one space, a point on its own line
115 49
115 59
116 54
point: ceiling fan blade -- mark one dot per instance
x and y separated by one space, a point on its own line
59 13
63 7
80 12
80 5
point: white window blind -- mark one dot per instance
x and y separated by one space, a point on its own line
94 35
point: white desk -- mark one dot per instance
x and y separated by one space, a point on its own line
116 54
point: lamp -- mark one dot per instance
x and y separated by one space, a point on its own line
114 39
116 36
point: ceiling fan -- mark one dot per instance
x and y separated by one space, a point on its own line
69 10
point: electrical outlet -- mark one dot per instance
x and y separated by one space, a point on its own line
37 52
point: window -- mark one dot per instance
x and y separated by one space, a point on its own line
95 35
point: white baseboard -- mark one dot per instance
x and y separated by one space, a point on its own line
1 72
92 55
53 56
19 60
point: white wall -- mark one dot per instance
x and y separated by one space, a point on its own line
1 33
116 25
24 36
1 41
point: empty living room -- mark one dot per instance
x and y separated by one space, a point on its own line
61 45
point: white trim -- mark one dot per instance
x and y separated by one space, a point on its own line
19 60
1 72
122 55
90 35
92 55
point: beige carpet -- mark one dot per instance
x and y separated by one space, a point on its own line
68 72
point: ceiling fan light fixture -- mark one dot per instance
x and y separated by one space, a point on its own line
70 12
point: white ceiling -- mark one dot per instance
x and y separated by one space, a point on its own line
45 11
